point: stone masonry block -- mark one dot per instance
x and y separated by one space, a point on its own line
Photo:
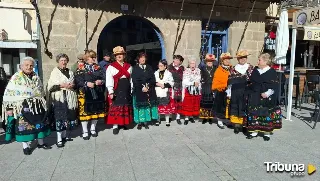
61 28
78 16
250 45
254 26
58 15
258 36
62 41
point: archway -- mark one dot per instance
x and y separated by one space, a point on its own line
136 35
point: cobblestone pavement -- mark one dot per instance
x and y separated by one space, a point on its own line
195 152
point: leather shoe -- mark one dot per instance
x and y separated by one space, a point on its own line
236 130
27 151
44 146
266 138
66 139
116 131
250 136
146 126
179 122
186 122
220 126
192 120
139 127
60 144
168 124
204 121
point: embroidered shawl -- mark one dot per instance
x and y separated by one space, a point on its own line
20 88
57 78
189 78
167 78
220 78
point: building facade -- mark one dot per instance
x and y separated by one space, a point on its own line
150 26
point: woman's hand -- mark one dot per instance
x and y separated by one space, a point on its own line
64 85
196 84
111 96
264 95
160 85
70 86
144 89
98 82
90 84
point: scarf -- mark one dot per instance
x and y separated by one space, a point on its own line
20 88
57 78
220 78
123 71
163 77
189 77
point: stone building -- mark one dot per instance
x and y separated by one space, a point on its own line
150 26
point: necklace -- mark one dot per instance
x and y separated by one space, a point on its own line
209 71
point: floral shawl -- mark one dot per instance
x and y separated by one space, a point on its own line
20 88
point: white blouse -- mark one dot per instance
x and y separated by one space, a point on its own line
110 72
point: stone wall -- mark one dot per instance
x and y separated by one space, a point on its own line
64 25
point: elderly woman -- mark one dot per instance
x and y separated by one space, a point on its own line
145 105
24 108
91 99
219 86
164 92
207 98
176 69
119 89
238 81
263 111
63 98
191 92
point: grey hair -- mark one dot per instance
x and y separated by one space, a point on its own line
27 59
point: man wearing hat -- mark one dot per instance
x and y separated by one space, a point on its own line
80 58
106 61
238 81
118 76
207 98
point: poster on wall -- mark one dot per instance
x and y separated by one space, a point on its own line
307 17
311 33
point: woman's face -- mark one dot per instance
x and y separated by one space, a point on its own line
91 60
176 62
262 63
242 60
209 64
226 62
161 67
62 63
142 60
192 65
27 66
119 57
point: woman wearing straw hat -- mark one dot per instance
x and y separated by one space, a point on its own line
119 89
219 86
238 80
207 98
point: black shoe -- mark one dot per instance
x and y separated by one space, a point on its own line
116 131
210 121
60 144
250 136
27 151
179 122
125 128
220 126
266 138
139 127
86 138
192 120
168 124
94 135
158 123
44 146
204 121
66 139
186 122
236 130
146 126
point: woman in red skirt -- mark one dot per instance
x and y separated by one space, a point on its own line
164 86
191 92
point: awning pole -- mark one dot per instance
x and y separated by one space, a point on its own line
291 77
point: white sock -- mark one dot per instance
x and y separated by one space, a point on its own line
267 134
85 128
178 116
64 134
115 126
93 126
25 145
167 116
220 123
40 141
59 136
254 133
186 118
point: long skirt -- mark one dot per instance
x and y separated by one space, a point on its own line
177 97
221 105
145 114
237 106
91 111
166 107
191 104
120 108
256 123
206 103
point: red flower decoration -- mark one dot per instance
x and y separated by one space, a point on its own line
96 67
81 66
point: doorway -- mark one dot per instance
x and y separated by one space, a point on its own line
136 35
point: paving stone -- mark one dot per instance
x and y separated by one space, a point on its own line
226 178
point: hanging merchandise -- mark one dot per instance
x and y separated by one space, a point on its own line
272 35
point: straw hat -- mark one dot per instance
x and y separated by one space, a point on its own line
242 53
210 58
226 55
118 50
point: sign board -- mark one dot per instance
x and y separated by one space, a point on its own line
307 17
311 33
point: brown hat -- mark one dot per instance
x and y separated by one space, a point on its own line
80 57
210 58
242 53
226 55
118 50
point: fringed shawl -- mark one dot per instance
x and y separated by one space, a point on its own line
57 78
189 78
220 78
20 88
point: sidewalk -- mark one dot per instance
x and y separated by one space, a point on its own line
194 152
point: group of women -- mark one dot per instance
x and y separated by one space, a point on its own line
120 93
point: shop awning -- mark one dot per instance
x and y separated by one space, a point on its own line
8 44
